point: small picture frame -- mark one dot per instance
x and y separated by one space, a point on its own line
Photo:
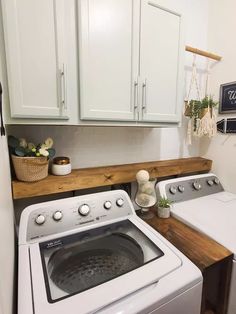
227 102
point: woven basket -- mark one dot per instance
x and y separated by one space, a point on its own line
204 111
187 110
30 169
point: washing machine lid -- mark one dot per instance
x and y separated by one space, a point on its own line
136 259
214 215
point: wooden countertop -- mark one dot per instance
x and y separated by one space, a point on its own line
103 176
213 259
199 248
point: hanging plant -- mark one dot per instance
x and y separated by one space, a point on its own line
198 108
201 113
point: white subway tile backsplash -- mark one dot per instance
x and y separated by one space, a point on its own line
101 146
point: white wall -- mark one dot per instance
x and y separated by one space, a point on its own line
7 248
222 26
92 146
98 146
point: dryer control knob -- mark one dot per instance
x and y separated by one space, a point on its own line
210 182
84 210
40 219
197 186
216 181
181 188
57 215
107 205
120 202
173 190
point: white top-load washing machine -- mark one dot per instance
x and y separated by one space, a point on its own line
201 202
92 254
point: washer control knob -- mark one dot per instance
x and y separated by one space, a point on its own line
210 182
84 210
107 205
197 186
216 181
181 188
120 202
173 190
40 219
57 215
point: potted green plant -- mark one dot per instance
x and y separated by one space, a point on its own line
163 207
30 161
196 109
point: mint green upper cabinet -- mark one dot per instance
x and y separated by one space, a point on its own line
161 65
108 54
126 67
35 52
130 61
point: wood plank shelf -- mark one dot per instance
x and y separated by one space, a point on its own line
103 176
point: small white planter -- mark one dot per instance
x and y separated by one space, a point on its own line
163 212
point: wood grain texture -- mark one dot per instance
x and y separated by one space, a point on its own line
224 284
206 254
103 176
199 248
203 53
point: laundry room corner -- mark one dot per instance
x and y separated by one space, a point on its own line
116 181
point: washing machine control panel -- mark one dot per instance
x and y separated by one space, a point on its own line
188 188
67 214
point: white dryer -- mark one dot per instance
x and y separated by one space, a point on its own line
201 202
92 254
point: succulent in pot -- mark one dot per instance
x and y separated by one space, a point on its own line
30 161
163 207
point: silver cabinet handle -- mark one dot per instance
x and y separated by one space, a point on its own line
63 87
144 95
135 95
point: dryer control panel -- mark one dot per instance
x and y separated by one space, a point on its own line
188 188
71 213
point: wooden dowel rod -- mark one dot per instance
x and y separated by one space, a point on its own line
203 53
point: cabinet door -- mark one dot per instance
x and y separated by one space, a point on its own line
161 66
34 37
108 53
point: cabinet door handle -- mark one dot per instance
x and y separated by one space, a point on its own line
63 87
135 95
144 95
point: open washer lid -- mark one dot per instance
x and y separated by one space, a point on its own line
148 259
214 215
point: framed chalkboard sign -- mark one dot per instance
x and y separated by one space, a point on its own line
227 98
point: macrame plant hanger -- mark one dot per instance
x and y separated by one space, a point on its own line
207 77
207 124
193 82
